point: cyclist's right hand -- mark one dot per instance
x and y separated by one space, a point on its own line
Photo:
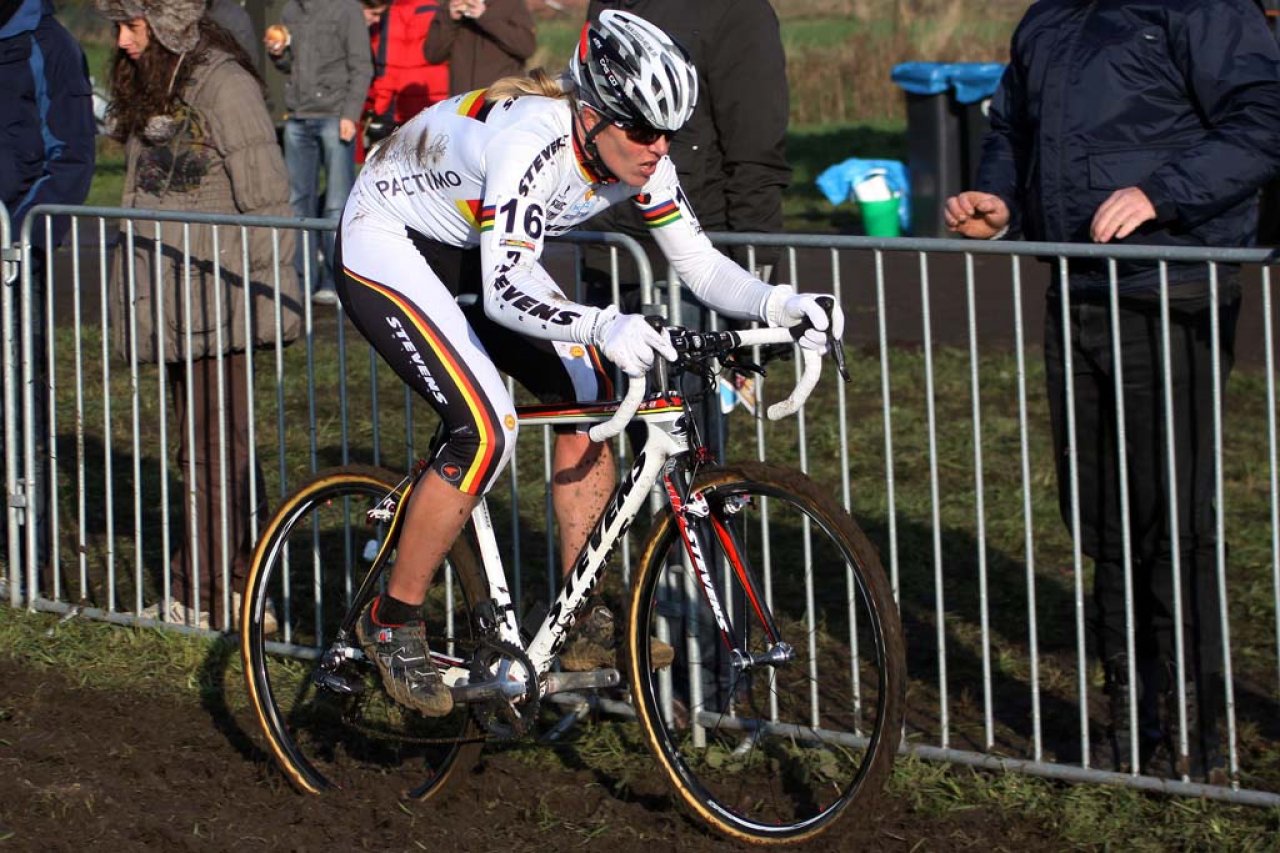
629 341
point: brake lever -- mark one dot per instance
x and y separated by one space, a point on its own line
737 364
834 345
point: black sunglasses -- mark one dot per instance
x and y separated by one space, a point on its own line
643 134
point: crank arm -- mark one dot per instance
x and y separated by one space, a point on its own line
558 682
484 691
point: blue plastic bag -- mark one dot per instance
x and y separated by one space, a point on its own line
837 183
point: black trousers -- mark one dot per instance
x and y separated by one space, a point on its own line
1091 330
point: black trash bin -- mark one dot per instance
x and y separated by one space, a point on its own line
944 132
972 85
933 142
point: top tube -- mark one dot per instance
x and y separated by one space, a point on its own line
658 406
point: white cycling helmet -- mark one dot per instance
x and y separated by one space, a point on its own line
632 73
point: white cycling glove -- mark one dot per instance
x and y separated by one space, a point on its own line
629 341
785 307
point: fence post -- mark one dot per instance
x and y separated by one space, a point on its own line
8 278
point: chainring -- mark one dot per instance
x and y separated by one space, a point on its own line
504 719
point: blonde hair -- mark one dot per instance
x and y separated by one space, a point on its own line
538 82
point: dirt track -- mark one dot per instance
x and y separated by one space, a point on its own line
87 769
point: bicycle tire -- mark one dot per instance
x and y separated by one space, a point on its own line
769 754
319 738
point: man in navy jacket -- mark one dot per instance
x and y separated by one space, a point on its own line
46 157
46 114
1152 122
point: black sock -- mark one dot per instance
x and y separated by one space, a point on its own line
392 612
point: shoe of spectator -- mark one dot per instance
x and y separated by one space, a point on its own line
325 296
177 614
270 624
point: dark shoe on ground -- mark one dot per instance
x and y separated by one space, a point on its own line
404 662
1161 746
1116 688
594 644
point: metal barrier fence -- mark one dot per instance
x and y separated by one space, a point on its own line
940 448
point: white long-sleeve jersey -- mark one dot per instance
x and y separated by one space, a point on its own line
504 175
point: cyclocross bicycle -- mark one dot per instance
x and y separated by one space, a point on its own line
784 703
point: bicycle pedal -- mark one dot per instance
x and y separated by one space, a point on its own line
595 679
335 683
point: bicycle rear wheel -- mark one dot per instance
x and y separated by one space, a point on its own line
309 561
771 751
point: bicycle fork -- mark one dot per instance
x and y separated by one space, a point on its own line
700 521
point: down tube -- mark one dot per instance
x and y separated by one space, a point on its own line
625 504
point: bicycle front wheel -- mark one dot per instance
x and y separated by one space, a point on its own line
784 704
334 726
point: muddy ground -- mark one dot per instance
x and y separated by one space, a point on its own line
86 769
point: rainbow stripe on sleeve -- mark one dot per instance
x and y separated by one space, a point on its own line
660 214
486 218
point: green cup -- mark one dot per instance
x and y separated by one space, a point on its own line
880 218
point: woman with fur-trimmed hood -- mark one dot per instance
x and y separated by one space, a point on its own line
188 105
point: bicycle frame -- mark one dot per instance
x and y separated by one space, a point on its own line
665 440
665 444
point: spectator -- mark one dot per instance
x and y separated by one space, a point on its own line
481 42
232 17
1151 123
404 83
325 53
731 156
46 157
190 110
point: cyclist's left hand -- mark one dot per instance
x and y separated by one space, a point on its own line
788 308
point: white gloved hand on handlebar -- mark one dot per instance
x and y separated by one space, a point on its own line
629 341
787 308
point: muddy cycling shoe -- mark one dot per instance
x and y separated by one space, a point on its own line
404 662
594 644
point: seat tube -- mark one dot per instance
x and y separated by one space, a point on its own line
494 574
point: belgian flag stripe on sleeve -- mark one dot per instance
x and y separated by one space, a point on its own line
475 106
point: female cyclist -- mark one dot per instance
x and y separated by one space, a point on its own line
459 201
